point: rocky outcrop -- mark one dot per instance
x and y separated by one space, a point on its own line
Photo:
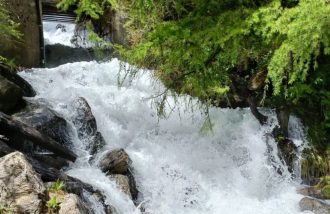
115 162
10 95
287 152
72 204
314 165
15 130
122 182
84 119
58 54
314 205
22 191
85 123
311 191
13 77
46 121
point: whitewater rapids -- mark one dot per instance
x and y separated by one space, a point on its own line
178 168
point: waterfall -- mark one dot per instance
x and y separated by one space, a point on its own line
178 168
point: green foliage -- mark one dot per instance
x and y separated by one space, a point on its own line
8 31
326 191
197 46
324 186
57 187
4 209
53 205
92 8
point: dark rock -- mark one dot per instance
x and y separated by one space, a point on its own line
5 149
283 116
287 151
115 162
314 205
97 142
132 185
58 54
51 160
10 95
85 123
84 119
46 121
13 77
18 133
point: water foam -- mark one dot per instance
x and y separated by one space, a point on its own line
178 169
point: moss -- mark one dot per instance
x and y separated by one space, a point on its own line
326 191
314 166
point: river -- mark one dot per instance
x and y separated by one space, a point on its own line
179 169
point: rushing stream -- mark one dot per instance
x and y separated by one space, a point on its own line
178 168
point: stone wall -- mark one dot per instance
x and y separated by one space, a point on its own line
28 52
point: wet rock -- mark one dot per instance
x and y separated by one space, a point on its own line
22 191
122 182
126 184
96 143
311 191
115 162
132 185
287 151
13 77
314 165
52 160
314 205
108 209
46 121
10 95
19 133
85 123
72 204
84 119
5 149
58 54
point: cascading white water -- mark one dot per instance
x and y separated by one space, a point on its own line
178 169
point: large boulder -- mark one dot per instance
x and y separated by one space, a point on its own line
46 121
86 126
115 162
72 204
314 205
10 95
13 77
22 191
84 119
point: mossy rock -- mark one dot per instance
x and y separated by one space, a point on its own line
314 166
326 192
